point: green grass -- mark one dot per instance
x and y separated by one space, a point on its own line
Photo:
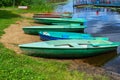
33 8
22 67
6 18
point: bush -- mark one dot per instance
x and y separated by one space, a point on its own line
5 2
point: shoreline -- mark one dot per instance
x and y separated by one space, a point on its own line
11 40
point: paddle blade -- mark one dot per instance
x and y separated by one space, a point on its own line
117 43
112 44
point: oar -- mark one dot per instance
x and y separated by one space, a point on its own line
117 43
113 43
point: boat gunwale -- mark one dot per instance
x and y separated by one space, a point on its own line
64 19
54 26
81 21
70 48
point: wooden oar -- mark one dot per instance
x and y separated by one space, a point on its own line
114 43
117 43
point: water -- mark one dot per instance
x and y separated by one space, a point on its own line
100 22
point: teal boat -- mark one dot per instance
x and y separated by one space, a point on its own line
69 48
61 28
60 20
67 35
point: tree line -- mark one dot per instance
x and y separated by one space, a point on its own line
20 2
56 1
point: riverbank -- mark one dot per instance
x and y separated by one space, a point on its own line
76 67
20 66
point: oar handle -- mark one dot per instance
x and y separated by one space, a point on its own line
114 43
117 43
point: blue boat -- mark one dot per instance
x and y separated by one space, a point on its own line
49 35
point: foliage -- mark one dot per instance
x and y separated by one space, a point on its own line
33 5
5 2
20 2
9 3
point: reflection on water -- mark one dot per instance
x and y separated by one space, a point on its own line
65 8
101 22
113 65
100 60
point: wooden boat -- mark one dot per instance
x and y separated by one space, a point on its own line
69 48
61 28
60 20
53 15
46 16
67 35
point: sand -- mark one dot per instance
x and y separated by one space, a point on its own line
14 35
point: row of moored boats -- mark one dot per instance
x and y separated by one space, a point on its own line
64 38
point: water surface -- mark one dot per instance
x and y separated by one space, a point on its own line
100 22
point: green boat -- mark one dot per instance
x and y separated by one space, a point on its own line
60 20
61 28
69 48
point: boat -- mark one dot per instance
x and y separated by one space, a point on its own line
52 15
50 35
60 20
69 48
61 28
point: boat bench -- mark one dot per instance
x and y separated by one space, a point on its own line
74 45
78 45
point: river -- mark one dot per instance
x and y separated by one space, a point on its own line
100 22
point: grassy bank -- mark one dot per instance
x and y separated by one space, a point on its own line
21 67
32 9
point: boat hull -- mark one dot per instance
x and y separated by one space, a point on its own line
59 20
66 53
51 16
73 48
46 16
36 30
